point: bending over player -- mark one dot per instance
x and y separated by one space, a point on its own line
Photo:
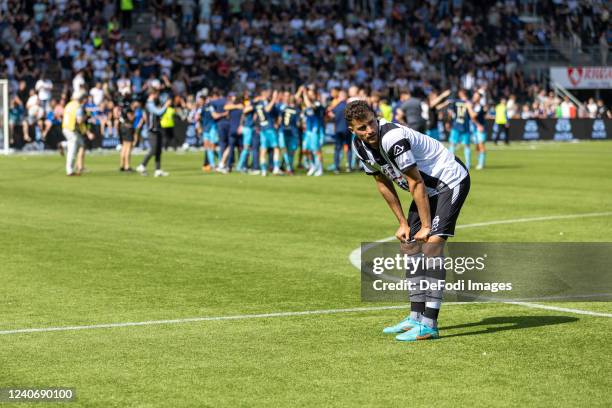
439 183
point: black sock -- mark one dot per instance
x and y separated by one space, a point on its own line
416 310
418 307
431 313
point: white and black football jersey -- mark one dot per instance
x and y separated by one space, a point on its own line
401 148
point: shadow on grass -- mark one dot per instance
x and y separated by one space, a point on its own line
497 324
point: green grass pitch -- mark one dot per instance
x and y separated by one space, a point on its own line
110 247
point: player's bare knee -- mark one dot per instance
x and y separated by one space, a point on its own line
410 248
434 246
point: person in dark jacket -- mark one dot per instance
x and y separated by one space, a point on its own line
154 112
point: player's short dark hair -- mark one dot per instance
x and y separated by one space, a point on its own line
357 110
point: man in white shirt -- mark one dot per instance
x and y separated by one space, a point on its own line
97 94
566 108
124 86
203 31
99 65
44 86
78 83
439 184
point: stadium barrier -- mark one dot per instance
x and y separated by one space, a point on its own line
518 130
558 129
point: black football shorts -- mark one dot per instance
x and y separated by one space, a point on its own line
444 208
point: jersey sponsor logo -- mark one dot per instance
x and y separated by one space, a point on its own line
397 150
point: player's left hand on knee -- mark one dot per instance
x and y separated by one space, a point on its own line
423 234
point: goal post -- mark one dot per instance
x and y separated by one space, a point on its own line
4 116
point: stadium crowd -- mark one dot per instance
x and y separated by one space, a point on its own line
386 49
583 23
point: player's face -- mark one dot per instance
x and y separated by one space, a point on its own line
366 130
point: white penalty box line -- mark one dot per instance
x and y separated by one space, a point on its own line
355 260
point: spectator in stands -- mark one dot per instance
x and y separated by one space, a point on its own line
127 6
602 110
44 86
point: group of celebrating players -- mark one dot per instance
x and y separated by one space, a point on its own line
278 131
270 128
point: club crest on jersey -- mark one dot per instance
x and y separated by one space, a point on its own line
394 175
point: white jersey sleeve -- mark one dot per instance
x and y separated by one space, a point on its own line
396 145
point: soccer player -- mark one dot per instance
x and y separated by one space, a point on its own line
246 129
210 135
460 132
342 136
221 118
268 137
234 113
320 114
288 136
480 136
312 140
439 183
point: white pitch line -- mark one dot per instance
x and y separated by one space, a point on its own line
560 309
208 319
535 219
355 256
